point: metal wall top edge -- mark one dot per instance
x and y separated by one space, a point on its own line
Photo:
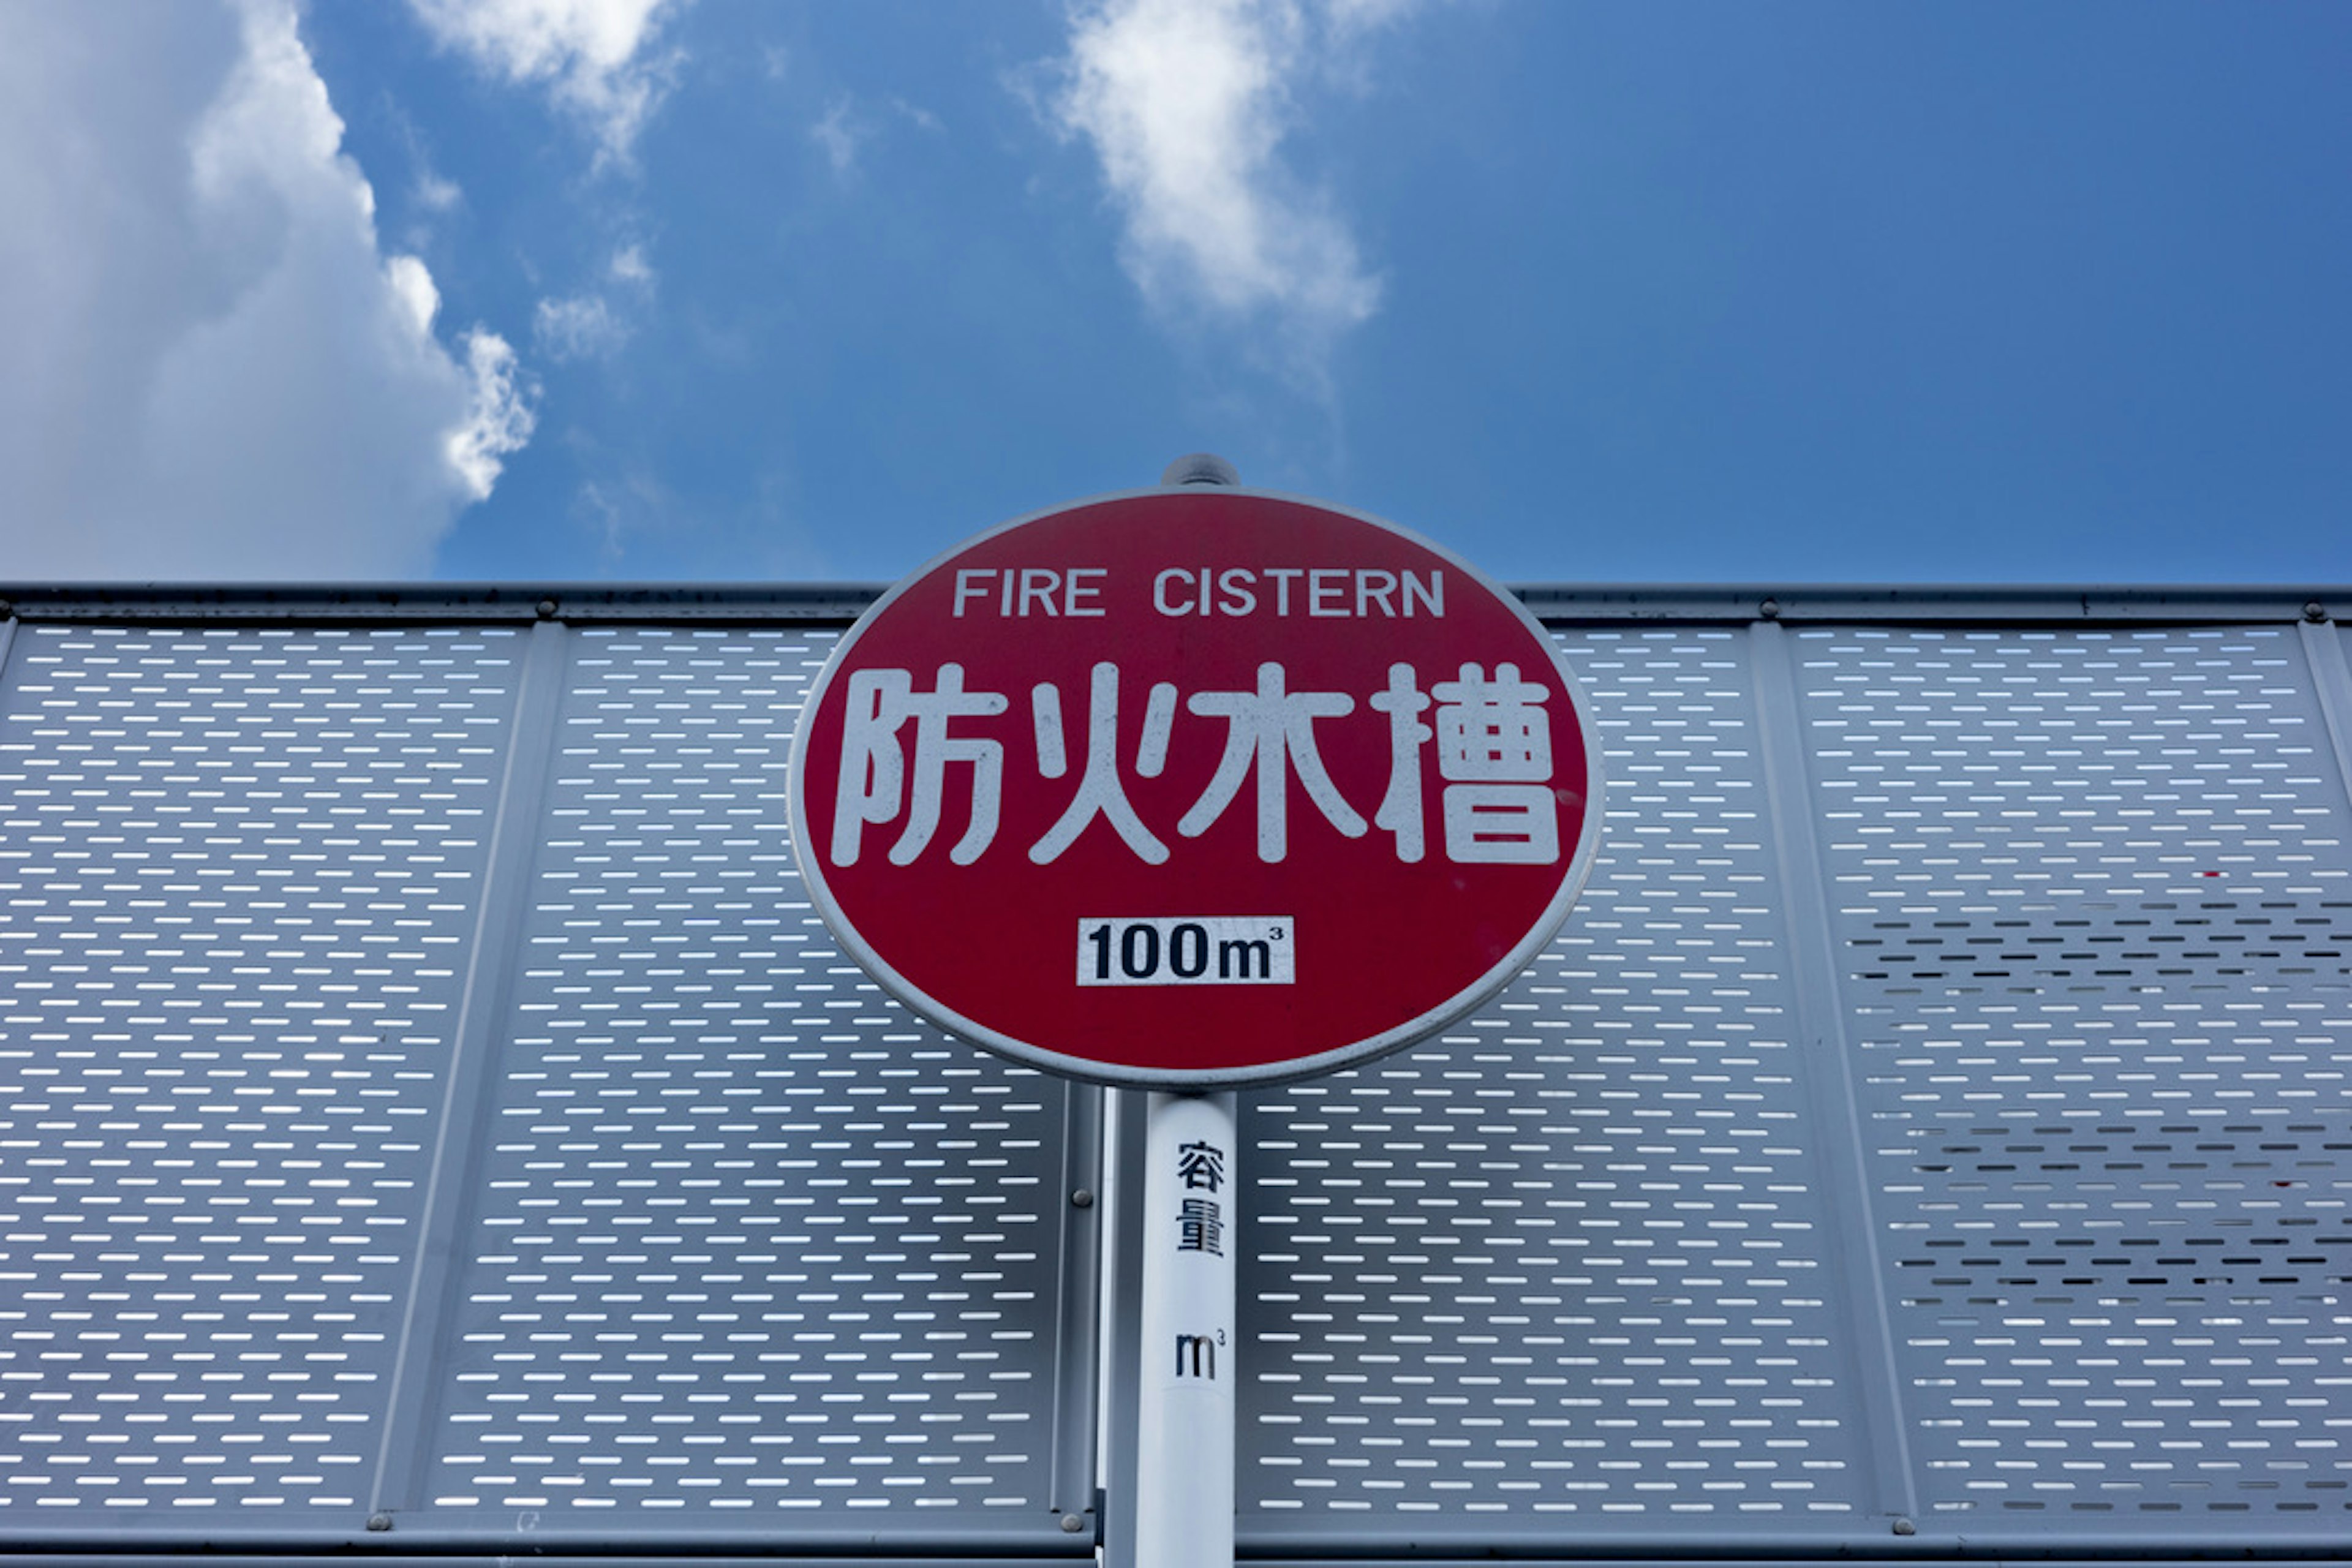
682 1556
1560 604
2005 605
638 604
2152 1556
688 1556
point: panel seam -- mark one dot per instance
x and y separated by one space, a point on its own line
1821 1035
2331 676
468 1102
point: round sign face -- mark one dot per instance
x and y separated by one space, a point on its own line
1194 788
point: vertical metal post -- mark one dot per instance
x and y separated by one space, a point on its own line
419 1375
1076 1467
1185 1441
2331 676
1833 1075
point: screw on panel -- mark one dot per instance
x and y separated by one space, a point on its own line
1200 468
1769 609
379 1521
547 609
1904 1527
2314 611
6 609
1082 1199
1072 1523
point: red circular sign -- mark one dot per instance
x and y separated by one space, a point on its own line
1194 788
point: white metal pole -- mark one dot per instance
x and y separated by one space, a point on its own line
1184 1447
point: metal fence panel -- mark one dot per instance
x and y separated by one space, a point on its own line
427 1102
241 869
1568 1275
2096 907
434 1115
749 1243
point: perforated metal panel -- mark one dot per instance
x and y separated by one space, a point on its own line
1933 1118
241 868
1571 1267
432 1110
749 1240
2096 915
431 1117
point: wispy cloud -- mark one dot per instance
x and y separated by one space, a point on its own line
597 58
629 266
209 365
588 324
437 195
433 193
578 326
840 134
847 128
1186 104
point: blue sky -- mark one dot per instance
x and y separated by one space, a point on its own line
565 289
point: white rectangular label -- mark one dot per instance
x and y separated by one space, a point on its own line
1185 950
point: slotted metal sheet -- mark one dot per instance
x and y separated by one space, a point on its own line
750 1244
346 1195
427 1095
2049 1139
1567 1273
241 871
2096 915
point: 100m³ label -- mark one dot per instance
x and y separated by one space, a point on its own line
1186 949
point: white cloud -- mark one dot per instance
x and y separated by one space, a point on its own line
499 418
589 53
582 326
1186 103
848 129
629 266
412 284
588 325
922 119
208 368
841 134
436 194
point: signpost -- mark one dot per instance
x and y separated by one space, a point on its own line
1190 790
